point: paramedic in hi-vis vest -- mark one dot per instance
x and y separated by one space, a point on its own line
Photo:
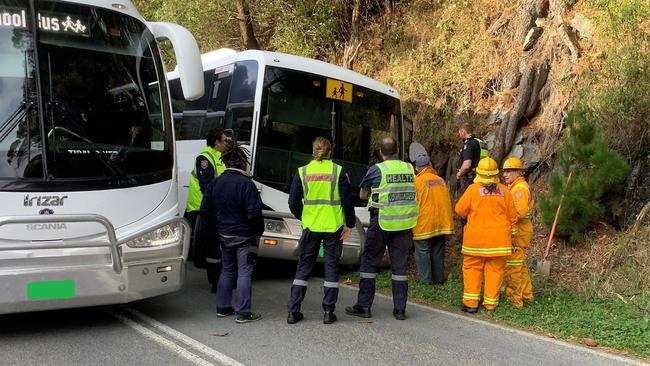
487 237
389 187
320 198
519 287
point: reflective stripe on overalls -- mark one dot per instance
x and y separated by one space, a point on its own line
397 204
322 210
194 194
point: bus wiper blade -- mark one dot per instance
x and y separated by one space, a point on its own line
124 179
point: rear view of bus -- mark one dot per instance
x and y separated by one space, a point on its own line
89 210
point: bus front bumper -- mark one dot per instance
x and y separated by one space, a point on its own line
287 249
27 290
84 271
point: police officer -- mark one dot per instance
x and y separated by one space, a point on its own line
236 206
320 198
208 166
393 212
474 149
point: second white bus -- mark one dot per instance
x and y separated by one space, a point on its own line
276 105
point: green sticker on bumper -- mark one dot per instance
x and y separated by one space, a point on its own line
51 290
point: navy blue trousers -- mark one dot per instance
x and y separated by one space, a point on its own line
238 263
309 246
399 244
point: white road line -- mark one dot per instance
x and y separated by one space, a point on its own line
180 351
225 360
629 361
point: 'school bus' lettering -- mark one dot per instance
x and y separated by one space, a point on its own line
51 23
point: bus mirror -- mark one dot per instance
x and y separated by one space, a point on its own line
188 56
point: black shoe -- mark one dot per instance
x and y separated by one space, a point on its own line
359 311
222 313
293 318
247 318
467 309
399 314
329 317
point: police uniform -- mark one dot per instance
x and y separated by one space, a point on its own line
393 213
474 149
206 246
320 198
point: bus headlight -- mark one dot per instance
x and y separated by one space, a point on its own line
275 226
164 235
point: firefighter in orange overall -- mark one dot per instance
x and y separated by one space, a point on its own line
519 287
491 218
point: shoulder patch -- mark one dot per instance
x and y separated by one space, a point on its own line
434 183
519 194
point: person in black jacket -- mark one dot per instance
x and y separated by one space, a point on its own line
235 204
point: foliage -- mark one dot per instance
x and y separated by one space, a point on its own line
309 28
616 89
609 320
596 169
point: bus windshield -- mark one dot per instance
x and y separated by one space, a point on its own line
100 98
296 109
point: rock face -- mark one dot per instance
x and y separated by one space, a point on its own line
533 35
517 152
583 26
532 156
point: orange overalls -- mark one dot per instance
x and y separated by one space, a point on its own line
487 242
519 287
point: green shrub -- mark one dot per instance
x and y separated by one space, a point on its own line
596 169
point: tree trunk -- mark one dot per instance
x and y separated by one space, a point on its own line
246 25
353 43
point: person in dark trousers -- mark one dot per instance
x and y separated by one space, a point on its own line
393 213
474 149
236 207
208 165
320 198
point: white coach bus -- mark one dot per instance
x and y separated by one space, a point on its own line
276 105
88 190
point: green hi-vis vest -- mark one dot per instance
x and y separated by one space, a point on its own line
194 195
398 207
484 147
322 211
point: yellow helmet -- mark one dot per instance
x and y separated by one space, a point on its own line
487 167
513 163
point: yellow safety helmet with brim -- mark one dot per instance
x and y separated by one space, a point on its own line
513 164
487 171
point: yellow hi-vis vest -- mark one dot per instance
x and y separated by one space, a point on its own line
194 195
397 204
322 211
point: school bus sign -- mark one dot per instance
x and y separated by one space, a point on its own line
339 90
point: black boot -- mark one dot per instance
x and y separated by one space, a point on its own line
399 314
329 317
359 311
467 309
293 318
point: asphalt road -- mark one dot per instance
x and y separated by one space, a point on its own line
181 329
